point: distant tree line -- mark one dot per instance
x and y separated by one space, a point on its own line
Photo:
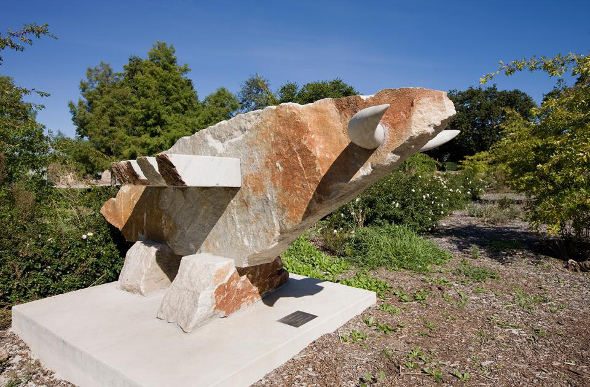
145 108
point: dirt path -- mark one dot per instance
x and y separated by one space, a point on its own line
502 312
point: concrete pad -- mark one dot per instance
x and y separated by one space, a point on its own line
102 336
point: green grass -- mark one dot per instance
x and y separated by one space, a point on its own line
471 274
305 259
394 247
363 280
388 308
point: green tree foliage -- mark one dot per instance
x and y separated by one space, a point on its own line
23 145
218 106
549 158
78 154
314 91
140 111
256 94
480 112
15 40
52 240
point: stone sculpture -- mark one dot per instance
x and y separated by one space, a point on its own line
231 198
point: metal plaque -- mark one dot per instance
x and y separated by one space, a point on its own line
297 319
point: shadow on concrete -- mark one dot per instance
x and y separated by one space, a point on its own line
294 288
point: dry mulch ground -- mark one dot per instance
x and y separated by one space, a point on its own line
502 312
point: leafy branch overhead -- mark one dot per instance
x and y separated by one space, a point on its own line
556 66
548 158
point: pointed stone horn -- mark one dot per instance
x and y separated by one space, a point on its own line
441 138
364 129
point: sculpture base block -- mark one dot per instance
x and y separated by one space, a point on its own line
102 336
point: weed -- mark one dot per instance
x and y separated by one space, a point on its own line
436 374
448 316
385 328
363 280
421 295
479 290
388 308
368 378
474 252
354 336
403 296
369 321
430 325
476 274
503 324
447 297
463 299
442 281
388 353
529 303
540 332
462 376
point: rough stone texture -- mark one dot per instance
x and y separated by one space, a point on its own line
128 172
298 165
266 277
149 267
208 286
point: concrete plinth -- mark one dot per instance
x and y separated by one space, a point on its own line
102 336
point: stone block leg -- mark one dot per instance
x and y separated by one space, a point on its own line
209 286
149 267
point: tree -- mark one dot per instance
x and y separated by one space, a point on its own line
480 113
218 106
140 111
548 158
256 94
314 91
23 145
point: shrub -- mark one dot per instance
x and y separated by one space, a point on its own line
417 201
55 241
394 247
548 158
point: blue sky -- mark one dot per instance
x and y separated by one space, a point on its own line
369 44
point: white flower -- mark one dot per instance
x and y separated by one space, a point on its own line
335 231
357 200
84 236
90 234
413 190
423 197
341 215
